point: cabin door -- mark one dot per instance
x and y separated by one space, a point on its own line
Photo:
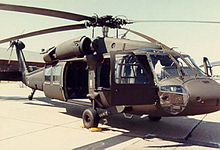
53 83
131 80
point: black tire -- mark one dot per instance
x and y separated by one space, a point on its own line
154 118
30 97
90 118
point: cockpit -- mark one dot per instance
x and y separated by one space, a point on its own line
132 68
168 66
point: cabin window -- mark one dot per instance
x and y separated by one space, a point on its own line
129 70
56 73
47 74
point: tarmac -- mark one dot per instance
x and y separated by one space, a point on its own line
45 124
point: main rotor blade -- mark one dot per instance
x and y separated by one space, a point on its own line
45 12
174 21
147 38
215 64
45 31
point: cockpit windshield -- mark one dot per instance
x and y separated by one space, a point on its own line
167 66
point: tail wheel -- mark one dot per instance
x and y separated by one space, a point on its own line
30 97
90 118
154 118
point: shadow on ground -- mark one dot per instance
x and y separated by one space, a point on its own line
174 129
12 98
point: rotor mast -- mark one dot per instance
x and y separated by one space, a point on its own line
105 31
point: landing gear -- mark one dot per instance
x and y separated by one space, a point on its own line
90 118
30 97
154 118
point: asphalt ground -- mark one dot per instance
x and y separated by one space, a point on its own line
45 124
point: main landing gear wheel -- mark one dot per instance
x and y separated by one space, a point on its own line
30 97
154 118
90 118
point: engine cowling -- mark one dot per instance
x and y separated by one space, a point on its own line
70 49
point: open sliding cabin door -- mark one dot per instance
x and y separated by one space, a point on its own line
131 80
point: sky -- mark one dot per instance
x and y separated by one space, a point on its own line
197 40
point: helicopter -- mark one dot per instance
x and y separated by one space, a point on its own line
117 75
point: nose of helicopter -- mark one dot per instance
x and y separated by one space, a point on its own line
204 95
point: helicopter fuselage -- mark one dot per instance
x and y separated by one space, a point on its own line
128 80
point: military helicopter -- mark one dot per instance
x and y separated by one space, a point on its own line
118 75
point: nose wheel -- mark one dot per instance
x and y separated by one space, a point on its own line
90 118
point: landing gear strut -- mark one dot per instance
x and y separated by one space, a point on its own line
30 97
91 116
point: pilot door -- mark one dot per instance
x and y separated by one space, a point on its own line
53 83
131 80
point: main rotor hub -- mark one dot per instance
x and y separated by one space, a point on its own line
107 21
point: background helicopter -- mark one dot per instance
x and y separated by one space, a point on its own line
9 67
106 70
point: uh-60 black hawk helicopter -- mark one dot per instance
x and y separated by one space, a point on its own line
117 75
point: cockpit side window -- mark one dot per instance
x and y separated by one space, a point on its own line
164 66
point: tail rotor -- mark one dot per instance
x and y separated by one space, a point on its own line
11 47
